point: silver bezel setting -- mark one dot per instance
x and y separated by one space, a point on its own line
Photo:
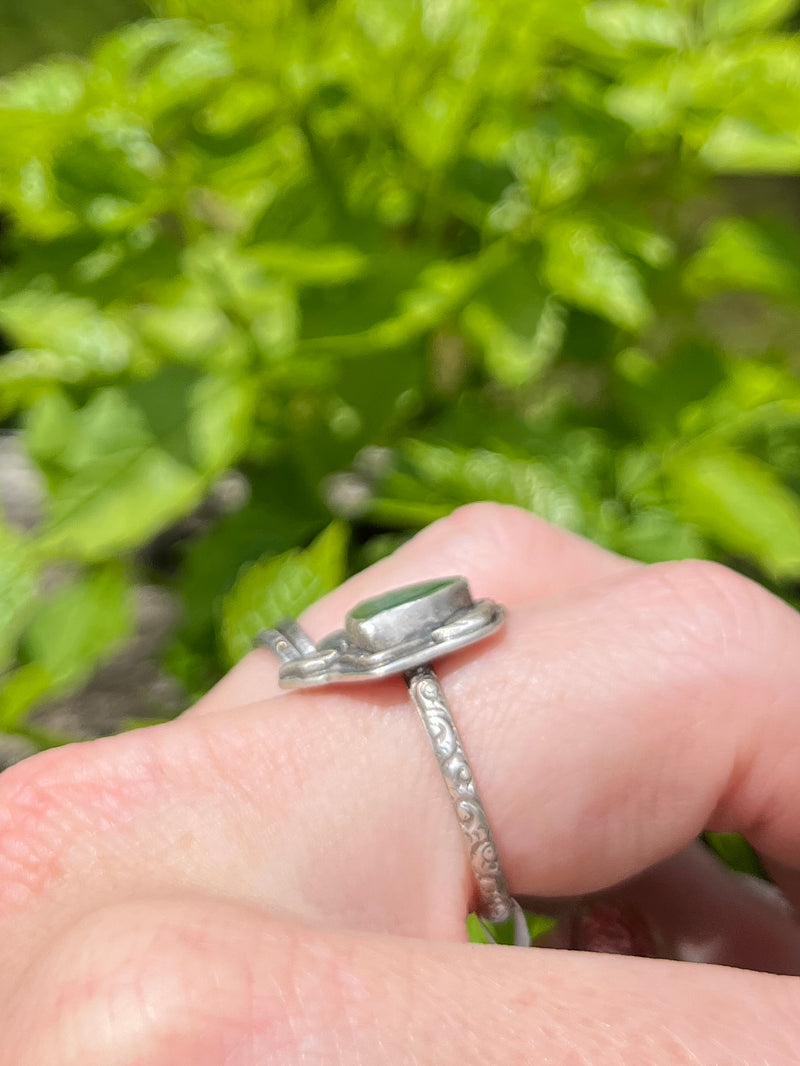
391 646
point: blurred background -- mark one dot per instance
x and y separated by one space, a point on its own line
41 27
281 282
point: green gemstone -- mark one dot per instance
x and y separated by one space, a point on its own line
396 598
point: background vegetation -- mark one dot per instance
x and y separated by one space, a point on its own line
282 282
37 27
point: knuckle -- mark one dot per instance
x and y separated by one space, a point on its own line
128 963
48 799
486 517
31 821
706 606
495 529
184 980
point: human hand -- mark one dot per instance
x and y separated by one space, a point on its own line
280 878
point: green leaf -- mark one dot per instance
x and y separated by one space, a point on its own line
190 330
128 53
467 475
242 103
117 487
60 338
20 693
280 513
518 327
19 579
555 160
184 73
279 587
163 64
741 146
729 17
422 299
222 410
656 393
739 503
624 23
157 408
240 284
48 427
649 104
586 269
107 424
740 253
735 852
327 265
72 632
80 626
503 932
511 358
53 87
631 229
753 394
655 535
117 504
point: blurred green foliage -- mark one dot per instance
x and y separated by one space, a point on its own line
383 259
42 26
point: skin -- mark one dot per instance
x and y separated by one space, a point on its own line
280 878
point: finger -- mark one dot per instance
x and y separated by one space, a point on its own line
713 915
689 907
504 552
607 727
184 981
787 879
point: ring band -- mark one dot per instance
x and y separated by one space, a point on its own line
402 632
426 692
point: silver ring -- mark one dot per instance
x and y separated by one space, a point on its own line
402 632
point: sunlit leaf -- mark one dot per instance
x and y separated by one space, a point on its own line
742 16
735 852
20 691
512 358
59 339
740 504
656 534
661 395
648 104
185 72
634 233
119 503
128 53
738 145
629 22
81 625
742 254
48 427
330 265
52 87
281 587
19 578
555 161
503 932
118 485
478 474
222 410
586 269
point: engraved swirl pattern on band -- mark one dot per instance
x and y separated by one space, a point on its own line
426 692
